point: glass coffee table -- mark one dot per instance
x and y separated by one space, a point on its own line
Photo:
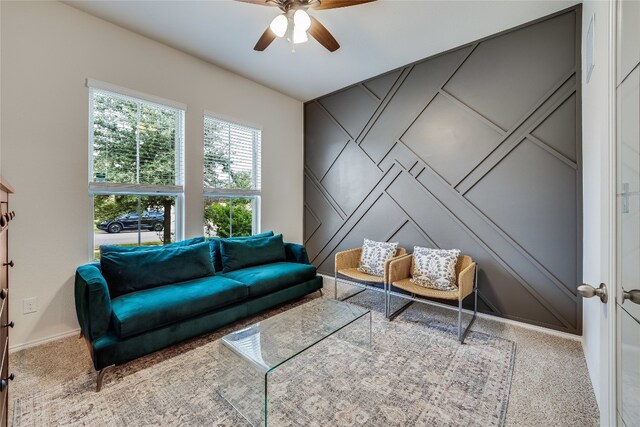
252 354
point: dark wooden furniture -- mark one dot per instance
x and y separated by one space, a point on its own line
6 216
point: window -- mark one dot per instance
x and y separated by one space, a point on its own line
231 178
135 170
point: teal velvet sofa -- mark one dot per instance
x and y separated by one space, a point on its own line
126 308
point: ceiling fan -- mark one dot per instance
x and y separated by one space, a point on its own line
295 22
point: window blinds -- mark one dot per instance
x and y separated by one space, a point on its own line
231 157
134 142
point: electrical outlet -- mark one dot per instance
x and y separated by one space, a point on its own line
29 305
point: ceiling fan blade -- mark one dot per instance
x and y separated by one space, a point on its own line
265 40
334 4
260 2
324 37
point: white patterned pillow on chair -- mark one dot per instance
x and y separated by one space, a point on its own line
374 255
435 268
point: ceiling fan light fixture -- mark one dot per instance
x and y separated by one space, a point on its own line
295 23
299 35
301 20
279 25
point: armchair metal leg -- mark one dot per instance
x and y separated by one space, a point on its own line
386 301
335 289
101 376
460 320
393 315
462 335
320 290
353 295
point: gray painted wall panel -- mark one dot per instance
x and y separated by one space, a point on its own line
339 106
380 86
505 75
410 235
545 107
351 177
535 205
311 222
323 139
559 129
475 149
381 221
420 86
321 208
400 154
450 139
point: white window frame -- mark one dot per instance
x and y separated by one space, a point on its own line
229 193
108 188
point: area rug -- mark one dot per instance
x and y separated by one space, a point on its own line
416 374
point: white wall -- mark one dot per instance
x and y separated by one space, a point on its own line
48 50
596 203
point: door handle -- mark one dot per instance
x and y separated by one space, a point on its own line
5 382
588 291
632 295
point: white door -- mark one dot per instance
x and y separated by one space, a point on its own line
627 301
611 118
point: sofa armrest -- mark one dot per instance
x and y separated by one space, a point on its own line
295 252
93 301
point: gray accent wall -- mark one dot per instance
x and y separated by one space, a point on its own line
478 149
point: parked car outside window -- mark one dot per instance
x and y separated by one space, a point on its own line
151 221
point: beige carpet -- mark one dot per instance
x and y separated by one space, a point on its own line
177 386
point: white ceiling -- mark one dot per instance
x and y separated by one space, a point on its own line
374 38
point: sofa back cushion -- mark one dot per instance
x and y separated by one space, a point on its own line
214 242
134 271
237 254
114 248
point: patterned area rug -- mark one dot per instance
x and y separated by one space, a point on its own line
415 374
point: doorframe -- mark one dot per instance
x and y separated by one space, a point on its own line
612 279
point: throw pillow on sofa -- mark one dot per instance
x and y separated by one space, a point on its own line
435 268
134 271
214 243
374 255
237 254
115 248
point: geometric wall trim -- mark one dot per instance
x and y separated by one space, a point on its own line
479 149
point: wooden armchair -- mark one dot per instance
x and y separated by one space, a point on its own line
399 276
347 263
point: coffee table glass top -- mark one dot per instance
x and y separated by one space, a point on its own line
271 342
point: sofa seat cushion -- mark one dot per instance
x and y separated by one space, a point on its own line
145 310
267 278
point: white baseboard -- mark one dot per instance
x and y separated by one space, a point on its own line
40 341
523 325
